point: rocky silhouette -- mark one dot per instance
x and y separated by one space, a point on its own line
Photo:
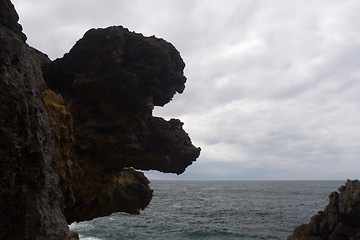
340 219
75 131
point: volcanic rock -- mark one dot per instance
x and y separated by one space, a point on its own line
340 219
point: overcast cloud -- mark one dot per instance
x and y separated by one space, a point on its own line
273 87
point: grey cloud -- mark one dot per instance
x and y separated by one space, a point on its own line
273 87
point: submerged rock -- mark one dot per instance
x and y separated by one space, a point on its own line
340 219
69 146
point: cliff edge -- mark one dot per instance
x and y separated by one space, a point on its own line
75 131
340 219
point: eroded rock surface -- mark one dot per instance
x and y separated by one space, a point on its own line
340 219
69 146
110 81
30 204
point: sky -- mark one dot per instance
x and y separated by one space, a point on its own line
273 89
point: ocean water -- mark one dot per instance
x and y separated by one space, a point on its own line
214 210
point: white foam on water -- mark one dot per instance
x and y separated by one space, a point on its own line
88 238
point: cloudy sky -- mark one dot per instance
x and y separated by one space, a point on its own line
273 89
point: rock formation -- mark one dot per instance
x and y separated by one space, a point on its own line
74 130
340 219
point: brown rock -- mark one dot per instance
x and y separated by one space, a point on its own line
68 154
110 80
340 219
30 204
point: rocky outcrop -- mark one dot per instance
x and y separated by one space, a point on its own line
30 206
9 18
111 80
340 220
69 146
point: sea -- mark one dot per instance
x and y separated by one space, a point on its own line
216 210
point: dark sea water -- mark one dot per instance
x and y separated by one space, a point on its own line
216 210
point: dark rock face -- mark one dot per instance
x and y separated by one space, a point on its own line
9 18
110 80
340 220
68 152
30 206
132 66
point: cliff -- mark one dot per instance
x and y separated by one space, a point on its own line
340 219
74 130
